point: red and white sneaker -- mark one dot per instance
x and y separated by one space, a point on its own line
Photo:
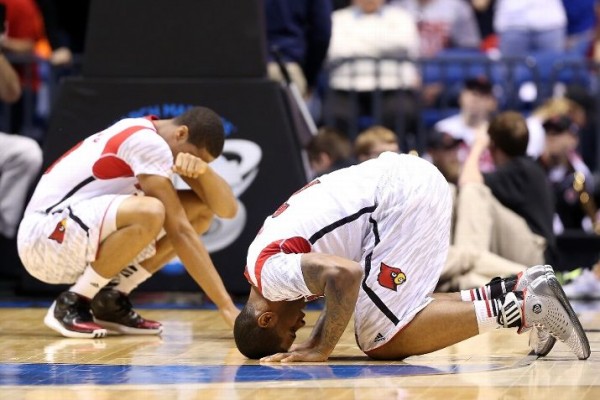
113 311
70 316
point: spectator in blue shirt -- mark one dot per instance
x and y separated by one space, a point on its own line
301 31
581 23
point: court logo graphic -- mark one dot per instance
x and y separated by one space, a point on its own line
390 277
58 235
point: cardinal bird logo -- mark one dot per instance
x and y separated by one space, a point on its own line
58 234
390 277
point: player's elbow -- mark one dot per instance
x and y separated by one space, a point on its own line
348 274
228 209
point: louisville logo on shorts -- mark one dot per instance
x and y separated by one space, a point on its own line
58 234
390 277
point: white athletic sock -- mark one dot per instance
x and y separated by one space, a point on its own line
89 283
487 315
481 293
131 277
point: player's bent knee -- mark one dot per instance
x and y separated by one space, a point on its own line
153 213
147 212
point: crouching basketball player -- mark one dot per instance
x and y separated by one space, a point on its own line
372 239
96 215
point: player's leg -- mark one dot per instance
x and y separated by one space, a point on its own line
199 215
129 224
440 324
139 220
112 307
541 305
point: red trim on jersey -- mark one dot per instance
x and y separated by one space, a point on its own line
294 245
109 166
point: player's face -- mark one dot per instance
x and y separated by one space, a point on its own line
291 319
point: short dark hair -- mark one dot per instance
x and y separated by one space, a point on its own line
205 129
252 340
508 130
479 84
442 140
560 124
331 141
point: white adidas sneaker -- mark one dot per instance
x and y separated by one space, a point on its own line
546 307
540 340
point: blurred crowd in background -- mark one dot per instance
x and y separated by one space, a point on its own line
415 76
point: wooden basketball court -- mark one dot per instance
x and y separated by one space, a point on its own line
196 359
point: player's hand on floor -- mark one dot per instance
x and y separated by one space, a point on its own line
309 344
189 165
310 355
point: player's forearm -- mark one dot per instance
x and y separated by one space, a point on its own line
215 192
197 262
318 328
341 293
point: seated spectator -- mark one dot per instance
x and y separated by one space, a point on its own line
581 25
373 141
443 24
527 26
484 14
573 182
24 32
553 107
477 103
20 163
328 151
443 151
510 210
367 75
465 265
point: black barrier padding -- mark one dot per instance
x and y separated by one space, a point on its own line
175 39
255 108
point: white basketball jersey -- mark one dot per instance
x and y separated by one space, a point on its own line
104 163
391 215
330 212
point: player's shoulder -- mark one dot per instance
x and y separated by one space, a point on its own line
132 123
133 130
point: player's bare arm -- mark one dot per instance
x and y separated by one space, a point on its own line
207 184
338 279
316 333
187 245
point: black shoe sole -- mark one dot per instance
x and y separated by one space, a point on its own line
562 298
